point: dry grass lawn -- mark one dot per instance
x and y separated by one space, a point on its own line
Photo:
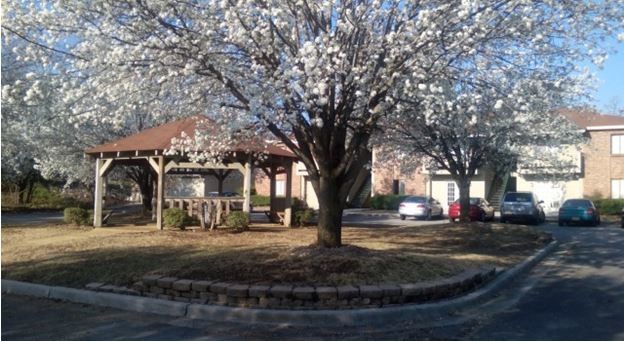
72 256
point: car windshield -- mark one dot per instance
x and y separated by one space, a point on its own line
415 199
518 197
577 204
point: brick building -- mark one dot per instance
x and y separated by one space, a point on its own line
599 173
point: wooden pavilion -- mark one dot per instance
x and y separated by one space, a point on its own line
146 149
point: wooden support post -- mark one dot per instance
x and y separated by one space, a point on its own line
97 197
272 188
102 166
158 164
218 218
288 205
247 187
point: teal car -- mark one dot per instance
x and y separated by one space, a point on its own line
579 211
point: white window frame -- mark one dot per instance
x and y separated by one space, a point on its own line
617 144
280 188
617 188
450 193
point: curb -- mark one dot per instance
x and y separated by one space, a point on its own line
320 318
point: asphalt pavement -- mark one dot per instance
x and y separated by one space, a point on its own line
576 293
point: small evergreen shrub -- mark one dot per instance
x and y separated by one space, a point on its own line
176 217
77 216
238 220
261 201
386 202
607 206
304 217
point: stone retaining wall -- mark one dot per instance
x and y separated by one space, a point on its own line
284 296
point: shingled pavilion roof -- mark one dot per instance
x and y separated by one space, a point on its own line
159 139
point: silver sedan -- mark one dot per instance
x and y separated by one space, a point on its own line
420 206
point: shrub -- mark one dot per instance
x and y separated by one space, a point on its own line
176 217
608 206
387 202
238 220
304 217
76 215
260 201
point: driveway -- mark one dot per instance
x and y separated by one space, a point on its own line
576 293
42 217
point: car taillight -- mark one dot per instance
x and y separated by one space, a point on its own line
401 205
589 211
420 206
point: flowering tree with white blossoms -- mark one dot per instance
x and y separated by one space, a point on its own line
496 105
319 75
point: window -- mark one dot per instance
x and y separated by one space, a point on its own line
280 188
617 188
617 144
450 193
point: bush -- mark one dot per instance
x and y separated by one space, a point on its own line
304 217
77 216
261 201
176 217
609 206
387 202
238 220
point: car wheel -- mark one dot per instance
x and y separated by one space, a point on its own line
428 217
482 217
451 220
502 220
403 217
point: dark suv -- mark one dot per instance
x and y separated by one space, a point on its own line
522 206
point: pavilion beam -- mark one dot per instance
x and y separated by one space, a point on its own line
288 205
158 164
102 168
272 188
247 186
97 196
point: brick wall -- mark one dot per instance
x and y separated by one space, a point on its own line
262 183
415 183
600 165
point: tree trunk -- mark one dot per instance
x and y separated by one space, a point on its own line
330 213
464 198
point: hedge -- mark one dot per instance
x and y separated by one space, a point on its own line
176 217
608 206
77 216
260 201
387 202
238 220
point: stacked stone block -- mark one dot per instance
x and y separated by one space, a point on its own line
301 297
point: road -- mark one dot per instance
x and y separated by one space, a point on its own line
356 217
53 216
576 293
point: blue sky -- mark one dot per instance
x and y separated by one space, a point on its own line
611 80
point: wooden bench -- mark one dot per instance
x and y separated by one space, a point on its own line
275 216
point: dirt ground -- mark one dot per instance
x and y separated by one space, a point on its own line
74 256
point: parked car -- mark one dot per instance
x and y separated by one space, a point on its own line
480 210
522 206
224 194
622 217
420 206
578 211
